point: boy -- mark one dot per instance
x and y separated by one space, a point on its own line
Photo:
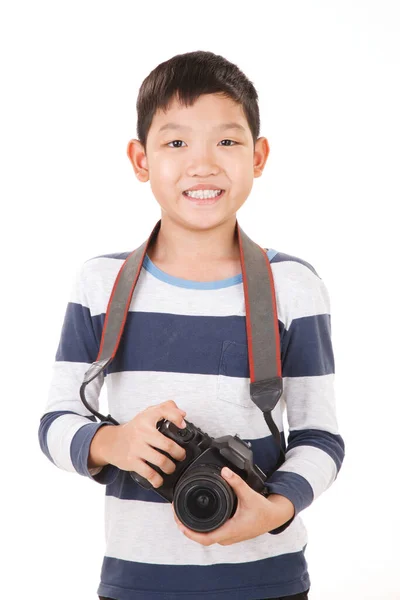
184 352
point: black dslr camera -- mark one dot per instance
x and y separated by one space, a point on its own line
202 499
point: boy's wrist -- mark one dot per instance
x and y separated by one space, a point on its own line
284 509
98 446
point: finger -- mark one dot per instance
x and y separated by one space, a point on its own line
230 541
178 521
224 535
225 532
170 413
162 442
172 403
143 469
206 539
159 460
171 408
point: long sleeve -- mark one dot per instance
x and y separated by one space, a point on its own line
315 449
66 427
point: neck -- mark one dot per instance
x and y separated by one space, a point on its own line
176 243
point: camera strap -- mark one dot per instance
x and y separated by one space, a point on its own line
263 341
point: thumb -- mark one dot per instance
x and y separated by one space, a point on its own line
235 481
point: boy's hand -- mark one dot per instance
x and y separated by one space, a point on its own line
255 515
128 446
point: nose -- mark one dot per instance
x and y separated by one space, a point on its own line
202 163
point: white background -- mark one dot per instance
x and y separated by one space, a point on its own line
327 74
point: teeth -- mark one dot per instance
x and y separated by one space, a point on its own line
202 194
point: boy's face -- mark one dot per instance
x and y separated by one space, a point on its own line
199 157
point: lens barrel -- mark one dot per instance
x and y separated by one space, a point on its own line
203 501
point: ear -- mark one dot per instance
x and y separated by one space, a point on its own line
137 156
261 152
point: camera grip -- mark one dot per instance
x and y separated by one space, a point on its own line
142 481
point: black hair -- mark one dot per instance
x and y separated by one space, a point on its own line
186 77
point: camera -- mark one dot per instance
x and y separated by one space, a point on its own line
203 500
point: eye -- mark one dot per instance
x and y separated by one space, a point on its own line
173 142
229 141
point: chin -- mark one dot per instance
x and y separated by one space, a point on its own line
203 222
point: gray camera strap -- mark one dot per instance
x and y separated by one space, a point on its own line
262 329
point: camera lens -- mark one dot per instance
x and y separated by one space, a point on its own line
203 501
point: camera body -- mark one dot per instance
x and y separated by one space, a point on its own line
203 500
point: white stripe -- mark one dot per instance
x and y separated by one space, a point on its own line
97 280
93 282
63 394
314 464
65 383
146 532
312 402
299 292
217 404
59 437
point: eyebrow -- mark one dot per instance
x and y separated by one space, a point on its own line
221 127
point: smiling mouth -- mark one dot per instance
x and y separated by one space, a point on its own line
210 200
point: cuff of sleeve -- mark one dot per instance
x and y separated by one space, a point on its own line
294 487
95 470
80 446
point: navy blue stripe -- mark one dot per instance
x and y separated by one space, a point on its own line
79 341
330 443
45 422
282 257
293 486
194 344
79 451
265 455
284 575
307 347
178 343
159 342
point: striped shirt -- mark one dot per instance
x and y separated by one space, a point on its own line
186 341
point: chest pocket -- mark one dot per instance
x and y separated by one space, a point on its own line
233 384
